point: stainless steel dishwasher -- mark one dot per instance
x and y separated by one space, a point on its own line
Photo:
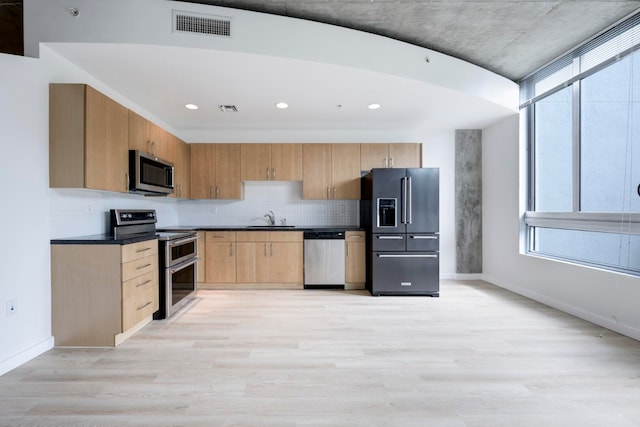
324 259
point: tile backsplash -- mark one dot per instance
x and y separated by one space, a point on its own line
284 198
76 212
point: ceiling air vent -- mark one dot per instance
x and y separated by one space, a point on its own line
229 108
184 22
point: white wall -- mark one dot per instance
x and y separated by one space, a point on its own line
605 298
24 257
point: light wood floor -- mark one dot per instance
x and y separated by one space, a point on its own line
478 356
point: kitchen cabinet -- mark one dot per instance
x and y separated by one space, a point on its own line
220 257
215 171
202 254
270 259
355 258
87 139
149 138
271 162
182 167
102 293
331 171
402 155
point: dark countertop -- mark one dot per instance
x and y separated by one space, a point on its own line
261 228
107 239
100 239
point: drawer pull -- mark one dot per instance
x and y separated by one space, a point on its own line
148 303
220 237
143 283
425 237
143 250
143 266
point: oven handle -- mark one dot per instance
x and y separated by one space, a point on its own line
178 242
175 268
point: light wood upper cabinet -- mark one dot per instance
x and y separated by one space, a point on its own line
215 171
148 137
271 162
331 171
402 155
87 139
182 166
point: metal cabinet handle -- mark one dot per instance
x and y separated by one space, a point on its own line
143 266
271 248
328 194
265 249
273 174
386 162
220 237
143 283
408 256
230 249
347 248
144 305
334 192
392 162
211 192
143 250
267 174
217 192
126 175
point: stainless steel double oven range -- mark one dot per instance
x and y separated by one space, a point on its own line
177 255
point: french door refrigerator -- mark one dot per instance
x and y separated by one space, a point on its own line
400 211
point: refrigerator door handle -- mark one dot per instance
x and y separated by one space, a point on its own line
431 237
389 237
404 200
407 256
410 200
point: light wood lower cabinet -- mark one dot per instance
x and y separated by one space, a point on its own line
102 294
355 259
253 259
220 257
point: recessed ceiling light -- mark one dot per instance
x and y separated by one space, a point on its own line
191 106
374 106
282 105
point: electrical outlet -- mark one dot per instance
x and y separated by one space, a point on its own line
12 307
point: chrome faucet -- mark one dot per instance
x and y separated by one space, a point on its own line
271 218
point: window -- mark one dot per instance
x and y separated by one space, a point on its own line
583 113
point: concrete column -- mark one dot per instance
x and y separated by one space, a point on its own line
468 215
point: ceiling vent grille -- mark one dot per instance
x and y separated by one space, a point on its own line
184 22
228 108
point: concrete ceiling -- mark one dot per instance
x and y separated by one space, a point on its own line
509 37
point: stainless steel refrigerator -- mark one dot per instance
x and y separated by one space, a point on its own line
400 211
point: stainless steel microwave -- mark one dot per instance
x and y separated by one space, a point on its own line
150 175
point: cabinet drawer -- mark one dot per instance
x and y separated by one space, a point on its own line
138 303
286 236
220 236
423 242
141 283
252 236
139 267
139 250
388 242
354 236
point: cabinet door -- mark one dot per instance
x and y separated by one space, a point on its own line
203 164
106 142
316 171
255 162
345 171
355 257
182 167
202 254
227 172
252 262
139 133
286 162
162 143
373 156
405 155
220 262
286 259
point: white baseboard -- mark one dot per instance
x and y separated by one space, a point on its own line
475 276
26 355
